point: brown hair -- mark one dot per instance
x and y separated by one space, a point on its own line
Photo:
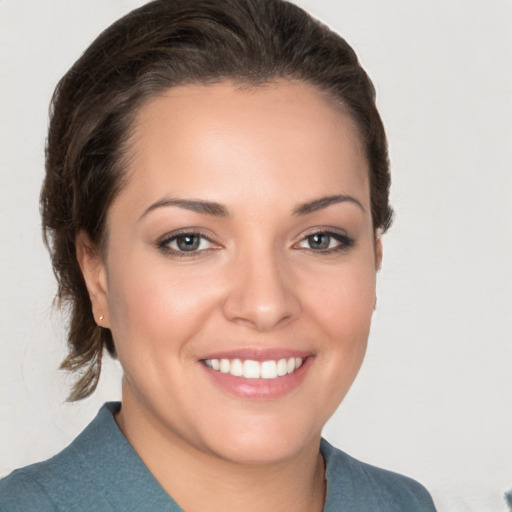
160 45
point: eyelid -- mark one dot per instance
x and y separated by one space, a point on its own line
345 240
163 242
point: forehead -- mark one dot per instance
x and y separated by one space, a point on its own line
216 139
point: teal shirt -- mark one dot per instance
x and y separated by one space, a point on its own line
100 471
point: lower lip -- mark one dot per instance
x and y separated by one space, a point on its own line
260 389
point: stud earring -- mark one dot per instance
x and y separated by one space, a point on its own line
101 318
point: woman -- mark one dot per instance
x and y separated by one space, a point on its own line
216 191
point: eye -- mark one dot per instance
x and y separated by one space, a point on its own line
326 241
180 244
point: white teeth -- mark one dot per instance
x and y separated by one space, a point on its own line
224 365
268 370
250 369
282 367
237 368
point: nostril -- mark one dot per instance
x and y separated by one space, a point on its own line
261 294
259 316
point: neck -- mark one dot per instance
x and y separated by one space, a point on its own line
200 481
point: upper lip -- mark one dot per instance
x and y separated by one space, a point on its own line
257 354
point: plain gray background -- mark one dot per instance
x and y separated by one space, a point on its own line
434 397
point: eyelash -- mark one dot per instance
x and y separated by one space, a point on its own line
163 244
345 243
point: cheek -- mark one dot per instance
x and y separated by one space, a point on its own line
346 301
152 319
343 310
153 306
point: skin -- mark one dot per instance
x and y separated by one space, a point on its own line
258 283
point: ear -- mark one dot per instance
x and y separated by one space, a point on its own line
378 256
95 276
378 249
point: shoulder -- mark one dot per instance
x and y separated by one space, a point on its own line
20 492
98 471
367 488
56 484
44 486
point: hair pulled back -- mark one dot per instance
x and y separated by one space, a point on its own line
163 44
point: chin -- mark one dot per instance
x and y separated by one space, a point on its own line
261 441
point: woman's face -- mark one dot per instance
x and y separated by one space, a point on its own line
242 242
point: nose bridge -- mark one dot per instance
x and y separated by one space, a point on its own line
262 291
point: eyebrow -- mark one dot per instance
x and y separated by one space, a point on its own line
324 202
194 205
218 210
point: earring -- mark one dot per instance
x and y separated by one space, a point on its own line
101 318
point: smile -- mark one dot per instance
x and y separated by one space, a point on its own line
250 369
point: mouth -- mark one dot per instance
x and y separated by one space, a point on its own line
256 374
250 369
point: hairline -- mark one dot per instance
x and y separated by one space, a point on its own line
127 153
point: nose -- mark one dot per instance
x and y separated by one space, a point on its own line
262 294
